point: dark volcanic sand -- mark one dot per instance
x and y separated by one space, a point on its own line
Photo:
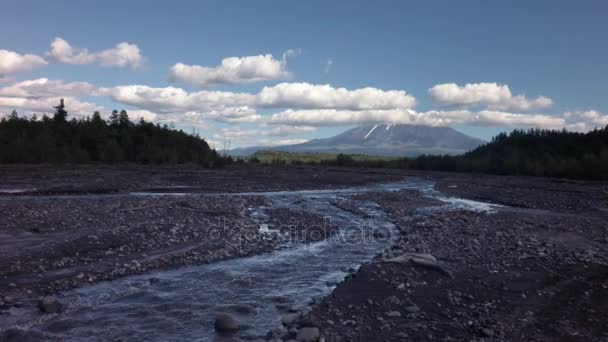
535 270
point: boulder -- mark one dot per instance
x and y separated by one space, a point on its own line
19 335
225 323
421 260
50 305
290 319
308 334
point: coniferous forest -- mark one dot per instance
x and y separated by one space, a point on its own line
535 152
93 139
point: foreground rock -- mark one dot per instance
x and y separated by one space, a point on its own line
308 334
224 323
20 335
50 305
421 260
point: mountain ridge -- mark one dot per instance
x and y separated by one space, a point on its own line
383 140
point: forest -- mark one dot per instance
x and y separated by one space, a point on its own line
93 139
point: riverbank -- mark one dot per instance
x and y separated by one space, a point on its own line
535 271
519 270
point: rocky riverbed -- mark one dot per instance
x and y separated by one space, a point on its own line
533 269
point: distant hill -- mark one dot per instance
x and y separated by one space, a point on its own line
384 140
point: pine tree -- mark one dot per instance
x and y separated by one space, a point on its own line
123 118
60 113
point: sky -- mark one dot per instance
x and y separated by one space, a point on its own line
245 73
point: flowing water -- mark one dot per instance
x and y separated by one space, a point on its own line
180 305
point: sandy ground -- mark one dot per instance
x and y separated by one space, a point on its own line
535 270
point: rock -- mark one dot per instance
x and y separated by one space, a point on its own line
421 260
50 305
412 309
409 257
19 335
393 300
289 319
393 314
225 323
308 334
487 332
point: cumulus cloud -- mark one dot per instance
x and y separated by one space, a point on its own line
333 117
43 87
496 96
122 55
172 99
586 120
299 108
12 62
306 95
137 114
45 105
233 70
284 95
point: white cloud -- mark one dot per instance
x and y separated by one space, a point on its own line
333 117
496 118
233 70
135 115
329 117
122 55
43 87
308 106
172 99
45 105
586 120
12 62
284 130
290 53
496 96
284 95
306 95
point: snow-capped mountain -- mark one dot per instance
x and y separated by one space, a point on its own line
385 140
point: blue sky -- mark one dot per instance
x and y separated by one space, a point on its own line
557 50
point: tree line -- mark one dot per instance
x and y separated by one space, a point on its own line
535 152
93 139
